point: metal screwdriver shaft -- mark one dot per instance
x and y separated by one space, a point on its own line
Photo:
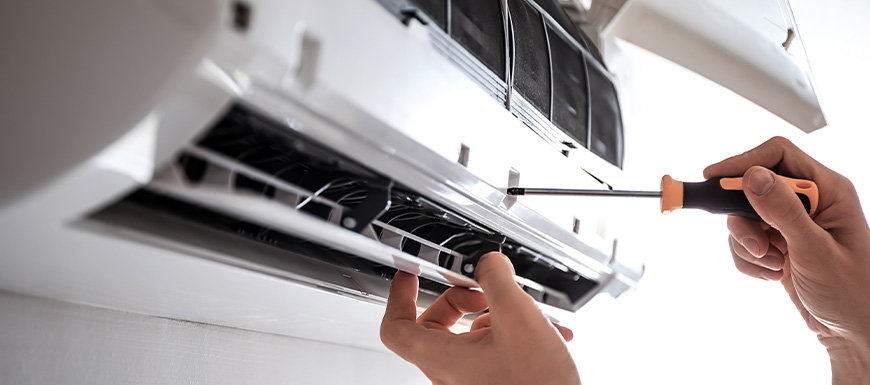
561 191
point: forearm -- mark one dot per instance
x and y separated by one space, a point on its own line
850 362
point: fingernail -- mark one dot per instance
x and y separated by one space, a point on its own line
751 246
761 181
771 263
770 275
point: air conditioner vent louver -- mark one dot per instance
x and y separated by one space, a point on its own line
249 158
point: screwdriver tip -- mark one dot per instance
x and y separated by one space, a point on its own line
516 191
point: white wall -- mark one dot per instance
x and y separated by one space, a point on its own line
49 342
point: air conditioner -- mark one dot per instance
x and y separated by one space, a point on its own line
194 159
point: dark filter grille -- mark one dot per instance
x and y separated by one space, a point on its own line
532 63
478 25
606 138
558 13
569 89
436 9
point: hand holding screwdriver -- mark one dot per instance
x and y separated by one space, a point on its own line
823 262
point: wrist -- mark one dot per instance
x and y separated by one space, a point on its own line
850 359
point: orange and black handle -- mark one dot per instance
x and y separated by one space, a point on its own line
725 196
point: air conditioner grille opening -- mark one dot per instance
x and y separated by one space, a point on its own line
246 155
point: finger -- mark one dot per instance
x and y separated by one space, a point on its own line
750 234
776 240
481 322
451 306
753 270
772 260
402 302
508 303
399 330
777 153
777 204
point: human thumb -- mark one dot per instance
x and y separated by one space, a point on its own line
778 205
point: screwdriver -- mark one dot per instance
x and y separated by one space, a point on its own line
715 195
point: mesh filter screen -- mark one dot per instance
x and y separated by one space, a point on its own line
569 89
606 138
558 13
478 26
436 9
532 63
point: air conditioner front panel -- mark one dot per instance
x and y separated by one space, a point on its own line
396 103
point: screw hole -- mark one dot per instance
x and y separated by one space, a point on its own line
241 15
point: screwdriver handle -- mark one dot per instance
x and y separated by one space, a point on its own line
725 196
